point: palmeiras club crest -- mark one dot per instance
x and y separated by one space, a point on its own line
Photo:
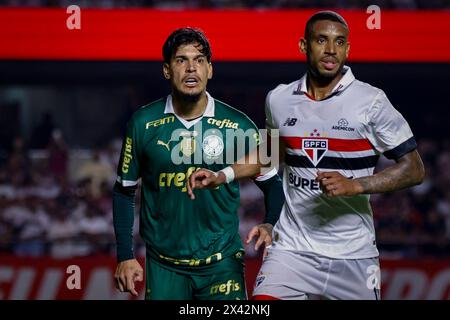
213 146
188 143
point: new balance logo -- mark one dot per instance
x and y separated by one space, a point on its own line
290 122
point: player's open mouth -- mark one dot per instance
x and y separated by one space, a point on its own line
191 82
329 63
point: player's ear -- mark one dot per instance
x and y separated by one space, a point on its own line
302 44
347 51
166 71
210 70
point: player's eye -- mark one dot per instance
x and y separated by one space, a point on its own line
321 40
179 60
340 42
200 60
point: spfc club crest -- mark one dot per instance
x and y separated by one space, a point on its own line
315 149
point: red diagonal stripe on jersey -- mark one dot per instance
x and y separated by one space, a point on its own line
310 153
333 143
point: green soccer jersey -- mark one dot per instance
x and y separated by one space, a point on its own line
163 150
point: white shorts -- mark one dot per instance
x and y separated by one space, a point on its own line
298 276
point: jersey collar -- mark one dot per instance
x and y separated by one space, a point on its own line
345 81
209 111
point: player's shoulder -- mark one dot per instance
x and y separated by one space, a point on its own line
282 91
225 111
149 112
366 89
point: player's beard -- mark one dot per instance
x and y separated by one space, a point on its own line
187 97
323 77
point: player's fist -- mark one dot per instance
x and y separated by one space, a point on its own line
127 272
204 178
334 184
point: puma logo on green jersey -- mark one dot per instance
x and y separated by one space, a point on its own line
176 179
162 143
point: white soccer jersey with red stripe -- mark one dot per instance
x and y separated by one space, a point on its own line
346 132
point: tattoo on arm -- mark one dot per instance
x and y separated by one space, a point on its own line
407 172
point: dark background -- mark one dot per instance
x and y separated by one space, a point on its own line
417 90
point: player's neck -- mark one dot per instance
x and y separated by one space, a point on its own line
320 88
187 109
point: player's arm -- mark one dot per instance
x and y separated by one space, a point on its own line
272 188
390 134
128 268
248 167
244 168
406 172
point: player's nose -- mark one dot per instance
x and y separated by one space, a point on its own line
330 48
190 66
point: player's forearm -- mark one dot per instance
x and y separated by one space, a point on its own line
273 198
245 170
123 220
408 171
250 165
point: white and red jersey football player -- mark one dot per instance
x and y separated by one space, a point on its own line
333 129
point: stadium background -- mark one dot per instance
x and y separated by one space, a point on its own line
65 96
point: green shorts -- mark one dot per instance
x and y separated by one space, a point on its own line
222 280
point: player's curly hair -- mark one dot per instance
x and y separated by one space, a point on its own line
323 15
185 36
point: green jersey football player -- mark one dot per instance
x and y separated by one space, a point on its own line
193 248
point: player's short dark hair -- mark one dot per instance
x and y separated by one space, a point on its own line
323 15
184 36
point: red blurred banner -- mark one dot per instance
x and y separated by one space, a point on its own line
46 278
236 35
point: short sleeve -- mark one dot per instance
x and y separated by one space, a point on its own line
269 119
389 132
251 133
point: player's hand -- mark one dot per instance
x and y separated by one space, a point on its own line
127 272
264 234
334 184
204 178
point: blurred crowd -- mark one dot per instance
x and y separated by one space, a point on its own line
50 206
257 4
56 201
